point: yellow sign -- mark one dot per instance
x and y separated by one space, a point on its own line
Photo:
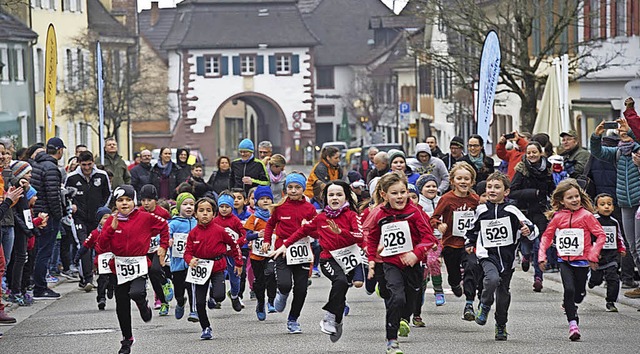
413 130
50 78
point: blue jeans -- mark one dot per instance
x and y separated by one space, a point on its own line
234 280
44 248
530 249
55 259
8 236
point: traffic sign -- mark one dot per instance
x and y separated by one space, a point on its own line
413 130
405 107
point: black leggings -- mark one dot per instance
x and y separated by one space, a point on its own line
378 279
265 280
156 274
339 287
17 262
104 282
574 281
610 275
135 290
180 286
217 290
292 276
454 258
243 276
404 286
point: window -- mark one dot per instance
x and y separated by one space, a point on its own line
19 64
283 64
247 65
81 77
38 72
621 18
328 110
212 66
68 80
4 62
594 18
324 75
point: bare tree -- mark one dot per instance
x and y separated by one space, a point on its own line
370 98
531 33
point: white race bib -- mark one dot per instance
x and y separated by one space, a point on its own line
129 268
496 233
363 256
300 252
179 245
396 238
570 242
348 258
256 248
27 218
610 243
462 222
200 273
154 244
103 263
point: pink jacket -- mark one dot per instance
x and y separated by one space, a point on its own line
580 219
633 120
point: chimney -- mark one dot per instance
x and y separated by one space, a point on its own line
155 16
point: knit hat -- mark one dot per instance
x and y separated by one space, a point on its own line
354 176
20 169
126 190
556 159
412 189
457 141
262 191
481 187
225 199
393 153
182 197
31 193
149 191
102 211
295 178
422 180
423 147
246 144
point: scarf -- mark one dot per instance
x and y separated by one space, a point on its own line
332 214
276 179
477 161
123 217
247 160
538 169
166 169
626 147
263 214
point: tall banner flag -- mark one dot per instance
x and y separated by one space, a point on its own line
489 72
50 81
100 82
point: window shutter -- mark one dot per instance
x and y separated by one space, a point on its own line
236 65
200 66
259 64
295 64
272 64
224 63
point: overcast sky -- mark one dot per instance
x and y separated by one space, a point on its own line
146 4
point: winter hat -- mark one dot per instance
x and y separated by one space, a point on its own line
556 159
126 190
412 189
422 180
354 176
393 153
457 141
262 191
373 184
481 187
102 211
246 144
225 199
20 169
149 191
31 192
295 178
182 197
423 147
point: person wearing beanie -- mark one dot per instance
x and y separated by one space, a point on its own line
247 171
456 152
327 169
20 169
291 272
179 228
398 162
426 163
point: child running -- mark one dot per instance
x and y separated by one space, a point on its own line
205 253
179 228
611 251
127 235
454 217
339 232
494 239
571 226
402 237
293 269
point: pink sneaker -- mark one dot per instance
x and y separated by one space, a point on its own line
574 331
157 304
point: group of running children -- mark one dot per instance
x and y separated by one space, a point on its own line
394 246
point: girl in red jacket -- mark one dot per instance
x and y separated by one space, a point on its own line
205 254
127 236
571 226
339 231
402 237
293 270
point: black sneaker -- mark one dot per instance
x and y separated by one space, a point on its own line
525 264
102 303
110 290
126 346
501 332
611 307
457 290
235 303
146 313
468 314
630 284
47 294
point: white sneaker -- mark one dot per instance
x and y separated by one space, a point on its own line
328 324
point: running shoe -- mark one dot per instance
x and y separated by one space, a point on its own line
110 289
242 305
482 315
193 317
316 272
281 301
525 264
347 308
611 307
206 334
440 300
126 346
468 314
404 329
102 304
48 294
28 299
70 275
51 279
457 290
167 290
501 332
157 304
336 336
211 303
537 285
146 313
271 308
235 302
252 295
328 324
179 312
393 347
164 310
574 331
260 313
294 327
18 299
6 319
418 322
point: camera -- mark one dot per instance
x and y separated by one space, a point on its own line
611 125
510 136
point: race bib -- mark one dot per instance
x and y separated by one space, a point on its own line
154 244
496 233
103 263
256 248
363 256
610 243
300 252
200 273
348 258
570 242
27 218
129 268
462 222
396 238
179 245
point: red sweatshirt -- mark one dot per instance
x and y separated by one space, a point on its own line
161 212
210 242
421 233
633 120
512 156
319 228
444 214
287 218
233 222
370 217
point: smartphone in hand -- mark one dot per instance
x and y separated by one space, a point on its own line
611 125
